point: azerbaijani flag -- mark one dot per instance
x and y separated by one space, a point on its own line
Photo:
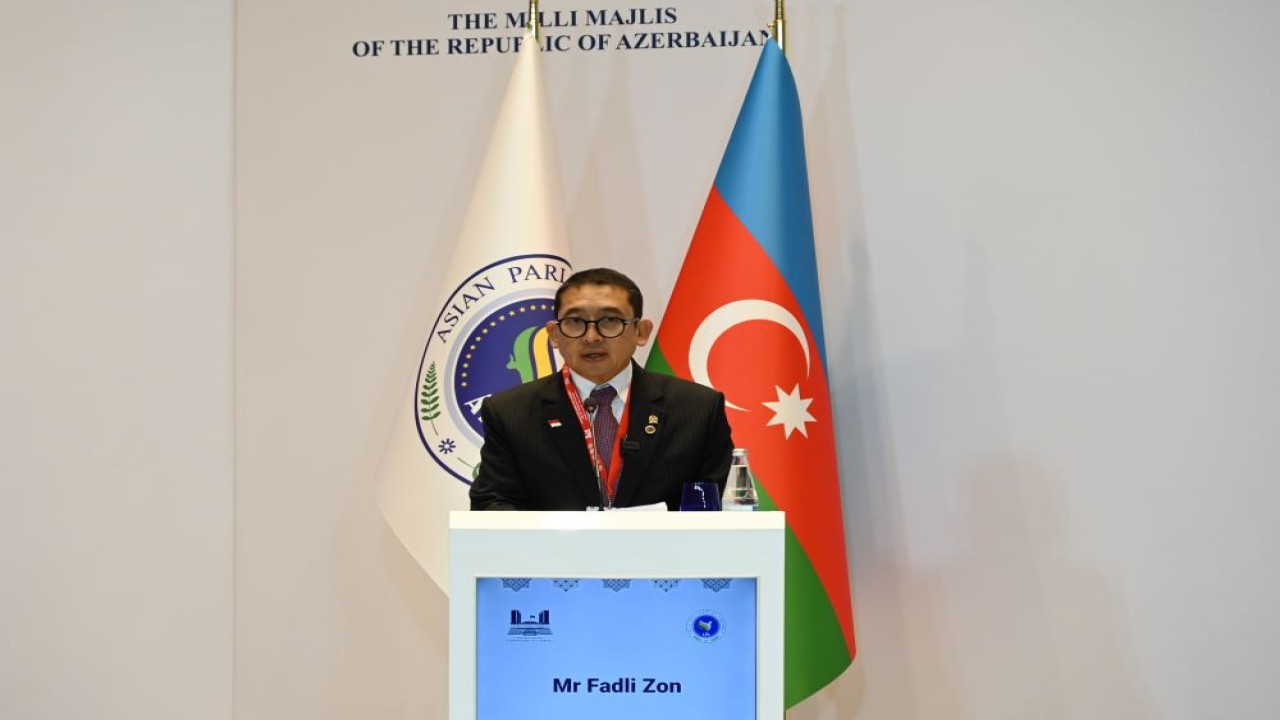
745 317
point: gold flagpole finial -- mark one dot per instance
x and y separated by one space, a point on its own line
534 25
778 26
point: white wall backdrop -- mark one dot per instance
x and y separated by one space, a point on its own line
1048 242
115 353
1048 234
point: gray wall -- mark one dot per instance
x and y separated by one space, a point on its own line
115 352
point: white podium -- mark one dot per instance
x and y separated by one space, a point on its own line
618 614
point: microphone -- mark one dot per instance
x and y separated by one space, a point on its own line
590 404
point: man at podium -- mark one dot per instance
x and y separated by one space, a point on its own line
601 432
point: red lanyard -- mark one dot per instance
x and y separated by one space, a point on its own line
584 419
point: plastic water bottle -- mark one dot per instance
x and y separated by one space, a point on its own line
740 489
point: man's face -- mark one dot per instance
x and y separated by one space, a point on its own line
592 356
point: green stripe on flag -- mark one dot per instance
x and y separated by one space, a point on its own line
657 362
815 651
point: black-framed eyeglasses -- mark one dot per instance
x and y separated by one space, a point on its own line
609 326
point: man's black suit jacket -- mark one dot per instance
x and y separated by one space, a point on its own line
535 454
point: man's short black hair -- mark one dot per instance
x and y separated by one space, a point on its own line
608 278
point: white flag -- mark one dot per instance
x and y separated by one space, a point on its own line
489 331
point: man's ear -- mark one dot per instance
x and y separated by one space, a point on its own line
644 329
551 332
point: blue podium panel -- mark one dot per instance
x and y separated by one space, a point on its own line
604 615
591 648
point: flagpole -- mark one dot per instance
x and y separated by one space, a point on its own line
534 24
778 26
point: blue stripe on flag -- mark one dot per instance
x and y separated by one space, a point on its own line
764 180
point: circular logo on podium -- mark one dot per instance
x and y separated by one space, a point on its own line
705 626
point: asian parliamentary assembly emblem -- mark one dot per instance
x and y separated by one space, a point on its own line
489 335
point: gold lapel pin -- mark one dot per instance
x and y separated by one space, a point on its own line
653 419
650 429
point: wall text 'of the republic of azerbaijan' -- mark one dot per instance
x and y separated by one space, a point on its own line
488 33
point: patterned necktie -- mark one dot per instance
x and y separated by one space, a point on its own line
604 426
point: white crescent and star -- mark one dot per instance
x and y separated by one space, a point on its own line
790 409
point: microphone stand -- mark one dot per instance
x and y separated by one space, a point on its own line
591 405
